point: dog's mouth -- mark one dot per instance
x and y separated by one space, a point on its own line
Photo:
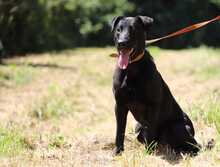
123 57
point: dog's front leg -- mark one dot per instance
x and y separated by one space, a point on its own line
121 119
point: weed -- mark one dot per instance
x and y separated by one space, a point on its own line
11 142
150 149
57 141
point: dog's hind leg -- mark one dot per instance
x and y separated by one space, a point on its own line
144 135
181 138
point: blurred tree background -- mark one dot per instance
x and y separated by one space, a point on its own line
42 25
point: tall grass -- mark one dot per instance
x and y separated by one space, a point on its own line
208 110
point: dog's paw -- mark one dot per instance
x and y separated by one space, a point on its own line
118 151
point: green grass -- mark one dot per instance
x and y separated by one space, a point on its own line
208 110
53 105
208 60
154 51
210 71
11 142
57 141
204 63
150 149
12 75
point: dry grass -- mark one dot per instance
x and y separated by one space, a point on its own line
64 110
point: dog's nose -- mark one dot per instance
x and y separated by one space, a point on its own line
122 43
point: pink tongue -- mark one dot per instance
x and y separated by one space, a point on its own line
123 60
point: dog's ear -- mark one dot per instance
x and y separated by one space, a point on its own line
115 21
146 21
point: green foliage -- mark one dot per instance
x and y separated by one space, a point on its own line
11 142
33 26
170 16
217 2
38 25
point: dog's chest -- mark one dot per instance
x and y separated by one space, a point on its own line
132 93
137 94
137 101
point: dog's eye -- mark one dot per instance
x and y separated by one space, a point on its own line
130 28
119 29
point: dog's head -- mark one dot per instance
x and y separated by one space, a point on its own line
129 37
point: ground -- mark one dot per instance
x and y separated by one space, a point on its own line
56 109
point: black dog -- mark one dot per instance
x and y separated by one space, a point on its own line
139 87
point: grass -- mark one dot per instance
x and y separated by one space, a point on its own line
204 63
208 59
210 71
150 149
57 141
13 75
53 105
11 142
155 51
208 110
59 102
71 113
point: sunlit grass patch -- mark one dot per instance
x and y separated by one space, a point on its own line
209 51
210 71
12 75
141 157
154 51
208 111
207 63
53 105
11 142
97 69
57 141
132 158
202 63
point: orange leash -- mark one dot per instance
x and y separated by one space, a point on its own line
184 30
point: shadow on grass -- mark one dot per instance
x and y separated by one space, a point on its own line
166 153
40 65
162 151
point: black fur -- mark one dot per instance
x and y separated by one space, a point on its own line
141 90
